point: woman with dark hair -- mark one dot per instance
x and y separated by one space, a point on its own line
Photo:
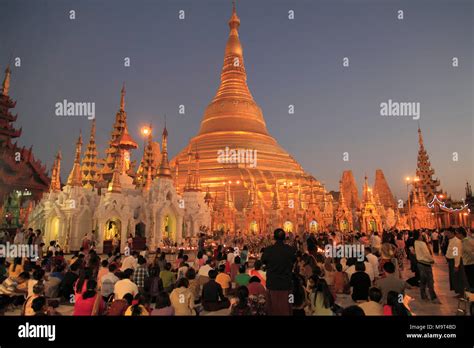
241 306
81 284
258 272
38 275
15 268
138 307
163 305
321 298
89 302
299 295
179 259
395 306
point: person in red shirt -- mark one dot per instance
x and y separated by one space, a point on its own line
255 287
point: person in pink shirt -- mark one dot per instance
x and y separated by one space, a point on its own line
89 302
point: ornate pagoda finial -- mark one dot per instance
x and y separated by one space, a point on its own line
164 170
197 178
115 185
122 98
75 177
56 174
6 81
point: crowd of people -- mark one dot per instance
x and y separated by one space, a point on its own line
283 274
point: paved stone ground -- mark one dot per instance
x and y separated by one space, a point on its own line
448 304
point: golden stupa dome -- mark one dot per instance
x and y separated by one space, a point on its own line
233 121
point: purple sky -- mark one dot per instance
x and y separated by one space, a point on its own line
296 62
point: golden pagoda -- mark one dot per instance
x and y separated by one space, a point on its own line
75 177
236 150
120 144
90 168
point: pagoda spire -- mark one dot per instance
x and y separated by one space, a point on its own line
164 170
424 171
176 176
122 98
148 160
6 81
148 180
226 111
197 178
75 177
342 199
55 185
189 176
115 185
90 168
120 141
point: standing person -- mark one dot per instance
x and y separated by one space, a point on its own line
467 256
201 243
435 242
279 259
453 255
425 261
116 244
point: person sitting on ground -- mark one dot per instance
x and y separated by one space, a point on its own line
168 278
241 306
258 272
234 268
242 279
321 299
223 279
163 305
194 286
130 261
255 287
125 285
352 311
183 267
203 273
395 306
140 274
390 282
138 307
373 306
66 287
341 281
360 283
104 269
119 306
89 302
38 290
107 282
182 298
213 298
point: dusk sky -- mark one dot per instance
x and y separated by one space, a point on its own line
299 62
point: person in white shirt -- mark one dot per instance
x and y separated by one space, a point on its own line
424 259
373 260
376 243
130 261
107 282
19 237
453 255
125 286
